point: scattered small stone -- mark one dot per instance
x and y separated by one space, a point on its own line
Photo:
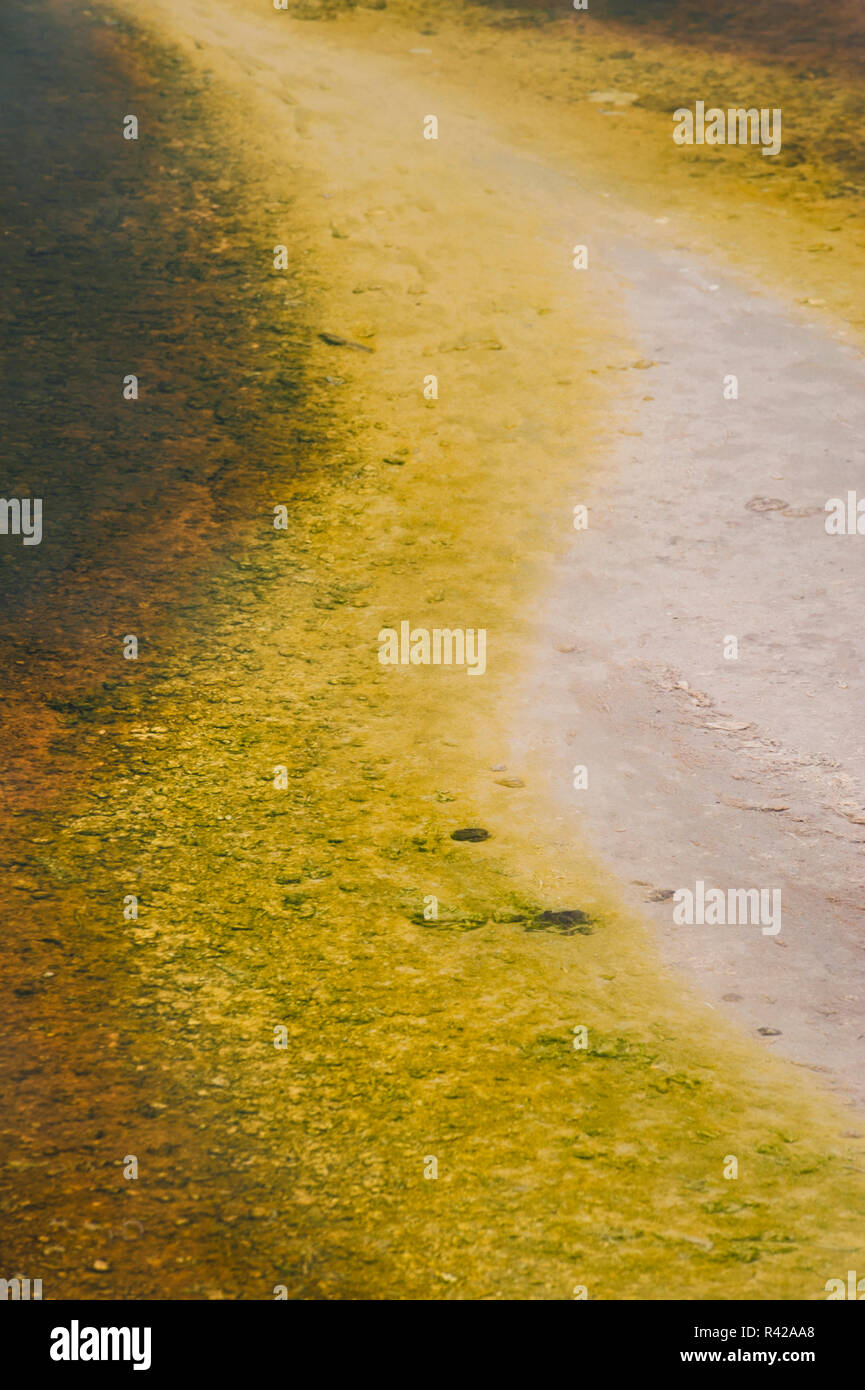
101 1266
698 696
659 895
474 833
766 504
613 98
770 1032
496 767
335 341
753 805
701 1242
510 782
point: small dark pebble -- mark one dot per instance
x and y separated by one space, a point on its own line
770 1032
474 833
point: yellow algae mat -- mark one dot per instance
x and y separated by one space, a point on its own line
353 1055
